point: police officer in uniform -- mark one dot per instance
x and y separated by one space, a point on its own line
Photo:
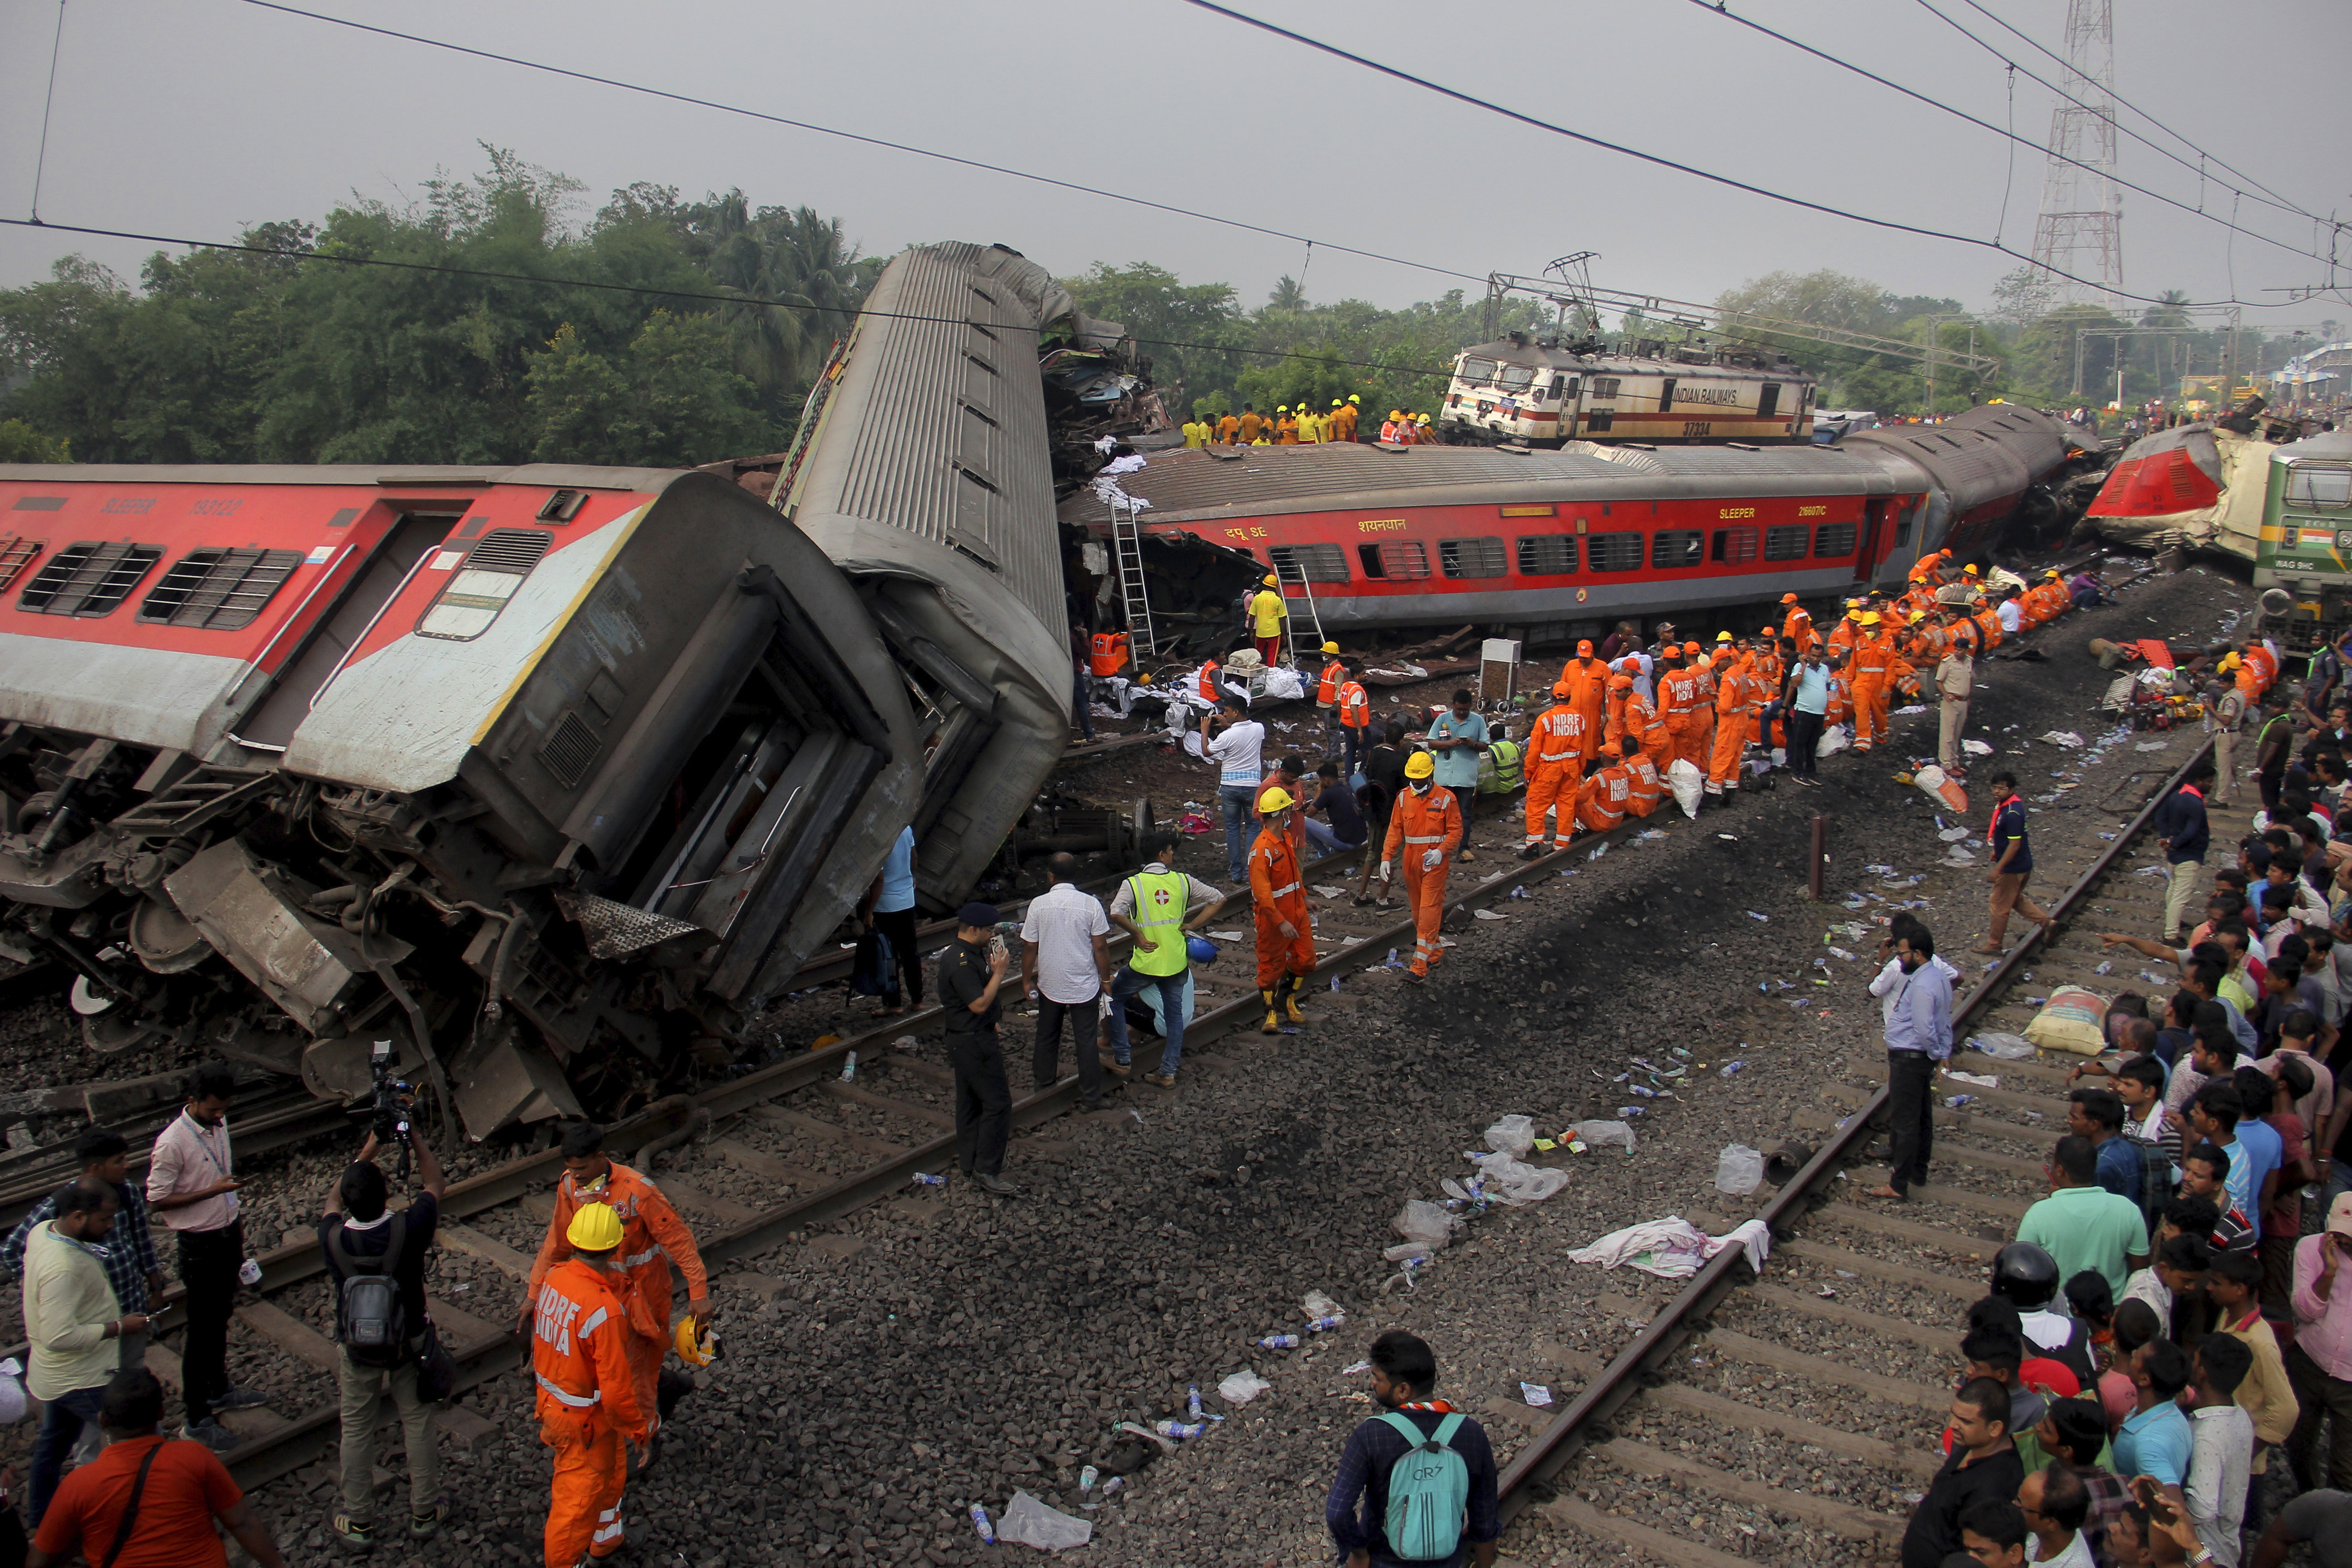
971 973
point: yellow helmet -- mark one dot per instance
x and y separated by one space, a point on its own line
1337 404
1275 800
1870 618
1269 580
695 1349
2231 661
1330 647
1419 766
1424 418
595 1228
1355 398
1723 636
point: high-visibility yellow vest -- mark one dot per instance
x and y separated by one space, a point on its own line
1160 899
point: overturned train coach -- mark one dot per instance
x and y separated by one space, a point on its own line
553 776
1545 542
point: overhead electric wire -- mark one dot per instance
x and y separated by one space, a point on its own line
281 253
787 121
2281 204
2289 204
1505 111
1715 9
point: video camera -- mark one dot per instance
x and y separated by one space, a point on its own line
387 1105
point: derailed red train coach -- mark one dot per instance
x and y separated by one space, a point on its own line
1541 541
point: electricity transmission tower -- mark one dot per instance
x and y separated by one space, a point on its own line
2080 230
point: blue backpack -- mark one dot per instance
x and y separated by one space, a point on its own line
1429 1493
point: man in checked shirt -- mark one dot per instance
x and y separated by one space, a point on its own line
131 1265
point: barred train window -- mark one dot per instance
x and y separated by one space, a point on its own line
483 583
218 590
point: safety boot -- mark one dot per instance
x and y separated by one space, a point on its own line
1273 1024
1290 1002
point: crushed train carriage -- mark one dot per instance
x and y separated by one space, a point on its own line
554 775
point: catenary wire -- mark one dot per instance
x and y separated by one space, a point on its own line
1712 8
281 253
2285 202
785 121
2282 204
1892 225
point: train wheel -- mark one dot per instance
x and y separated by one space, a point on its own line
116 1032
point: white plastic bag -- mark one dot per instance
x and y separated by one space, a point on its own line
1687 783
1515 1183
1029 1523
1242 1388
2006 1048
1424 1224
1605 1134
1835 739
12 1392
1738 1170
1512 1135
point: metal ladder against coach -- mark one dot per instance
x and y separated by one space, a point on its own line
1134 595
1305 622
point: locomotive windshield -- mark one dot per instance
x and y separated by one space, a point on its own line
1516 377
2318 485
1478 371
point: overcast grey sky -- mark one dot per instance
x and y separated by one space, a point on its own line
194 117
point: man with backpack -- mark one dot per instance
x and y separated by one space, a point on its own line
1423 1472
376 1260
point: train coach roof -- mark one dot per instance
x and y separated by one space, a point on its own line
383 476
1185 484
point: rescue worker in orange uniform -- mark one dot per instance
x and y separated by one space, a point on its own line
1285 426
1639 715
1797 624
1555 768
1699 745
1251 423
1847 631
1209 691
1731 706
1765 672
588 1409
1601 803
1355 714
1285 934
1988 620
653 1239
1677 703
1872 657
1587 679
1424 826
1284 778
1643 783
1612 718
1327 690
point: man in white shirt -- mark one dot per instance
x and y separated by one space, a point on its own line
2011 613
2056 1502
1235 744
1065 964
192 1187
2222 1451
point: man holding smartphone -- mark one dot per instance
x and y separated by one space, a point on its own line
972 972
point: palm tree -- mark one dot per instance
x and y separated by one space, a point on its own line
800 279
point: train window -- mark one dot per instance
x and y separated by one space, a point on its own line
218 590
483 583
1832 540
88 577
1672 548
1314 562
1903 525
1613 552
1559 388
1478 371
1768 403
2318 485
1397 560
1598 419
1471 557
1734 546
1548 556
1785 544
16 552
1604 386
1516 377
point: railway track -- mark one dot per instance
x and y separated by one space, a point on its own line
797 1126
1807 1400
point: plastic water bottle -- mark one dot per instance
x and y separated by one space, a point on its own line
249 1271
1326 1324
1958 1101
849 1068
1117 1483
1279 1342
1087 1477
1730 1067
1193 1402
1628 1112
1179 1429
979 1522
925 1179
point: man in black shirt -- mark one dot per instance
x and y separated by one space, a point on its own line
1983 1463
354 1233
2182 835
1383 782
970 975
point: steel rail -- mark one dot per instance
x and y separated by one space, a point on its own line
1552 1449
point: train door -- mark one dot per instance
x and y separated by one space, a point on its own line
1874 530
270 726
1768 401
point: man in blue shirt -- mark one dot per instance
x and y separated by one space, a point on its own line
2012 864
1809 688
890 910
1405 1380
2098 1114
1456 739
2155 1439
2215 1115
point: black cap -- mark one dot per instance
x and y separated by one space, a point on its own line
977 914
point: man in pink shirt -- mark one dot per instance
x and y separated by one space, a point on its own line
2320 1365
191 1184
